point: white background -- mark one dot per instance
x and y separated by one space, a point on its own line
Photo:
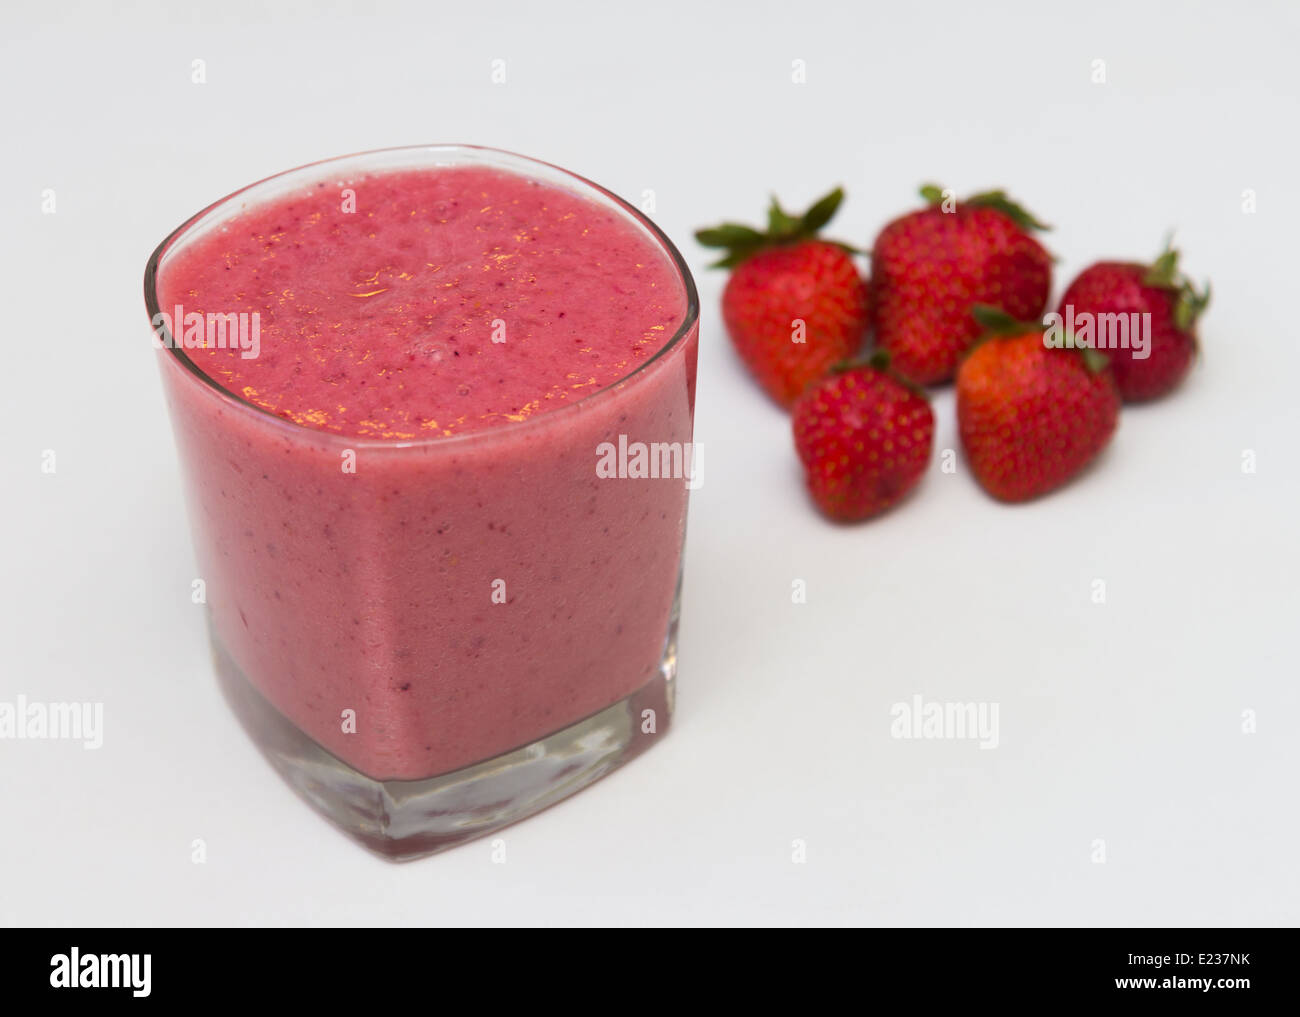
1120 722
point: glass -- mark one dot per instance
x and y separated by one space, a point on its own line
416 691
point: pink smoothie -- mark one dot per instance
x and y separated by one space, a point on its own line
389 474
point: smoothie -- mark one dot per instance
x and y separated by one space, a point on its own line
406 544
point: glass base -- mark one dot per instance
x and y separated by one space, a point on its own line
406 819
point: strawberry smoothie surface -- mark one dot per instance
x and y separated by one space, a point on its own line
396 506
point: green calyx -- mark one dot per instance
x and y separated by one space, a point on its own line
741 242
934 195
879 360
1094 360
997 323
1165 274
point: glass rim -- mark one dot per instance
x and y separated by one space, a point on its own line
688 324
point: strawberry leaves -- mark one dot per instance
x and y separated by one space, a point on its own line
1190 305
1017 213
741 242
822 211
935 195
932 193
995 321
1165 274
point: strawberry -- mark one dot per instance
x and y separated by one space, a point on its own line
794 305
1031 416
1154 366
929 268
864 438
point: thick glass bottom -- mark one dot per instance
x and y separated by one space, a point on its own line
405 819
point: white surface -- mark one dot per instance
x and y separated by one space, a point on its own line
1120 722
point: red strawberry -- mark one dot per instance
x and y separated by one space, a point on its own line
929 268
795 305
864 438
1032 416
1155 366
